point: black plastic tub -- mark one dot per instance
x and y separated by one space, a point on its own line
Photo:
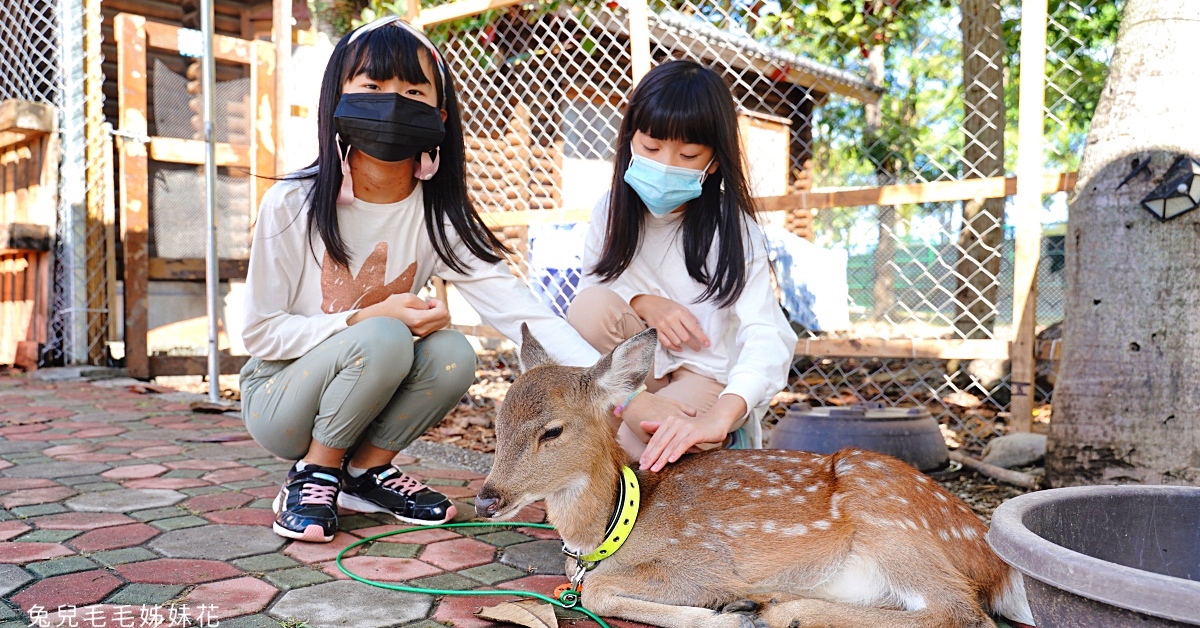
910 434
1100 556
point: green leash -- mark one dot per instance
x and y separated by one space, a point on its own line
568 600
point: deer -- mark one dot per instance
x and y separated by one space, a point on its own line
737 538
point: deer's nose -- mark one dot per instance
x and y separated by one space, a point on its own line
488 502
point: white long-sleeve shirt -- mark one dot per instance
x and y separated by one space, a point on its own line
296 296
751 341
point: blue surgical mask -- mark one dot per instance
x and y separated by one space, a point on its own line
663 188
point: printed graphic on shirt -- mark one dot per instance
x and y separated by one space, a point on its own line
342 291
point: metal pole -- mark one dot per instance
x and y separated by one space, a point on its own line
212 276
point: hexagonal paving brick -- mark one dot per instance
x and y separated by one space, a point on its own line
544 557
20 553
383 569
81 521
349 604
242 516
418 536
151 594
177 571
231 598
458 554
125 500
321 552
77 589
115 537
459 611
288 579
12 578
55 470
217 501
219 542
135 472
36 496
12 529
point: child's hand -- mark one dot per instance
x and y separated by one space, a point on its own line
677 326
421 317
675 435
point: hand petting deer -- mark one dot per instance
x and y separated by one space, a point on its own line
731 538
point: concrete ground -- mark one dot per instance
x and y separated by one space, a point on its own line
127 510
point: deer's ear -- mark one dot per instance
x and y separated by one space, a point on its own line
620 373
532 353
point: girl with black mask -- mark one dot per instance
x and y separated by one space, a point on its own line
349 365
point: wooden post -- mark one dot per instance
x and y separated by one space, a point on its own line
281 34
130 33
264 102
639 38
1026 213
98 279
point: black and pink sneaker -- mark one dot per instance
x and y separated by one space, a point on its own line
306 506
387 489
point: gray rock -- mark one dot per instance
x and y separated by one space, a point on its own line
1015 450
349 604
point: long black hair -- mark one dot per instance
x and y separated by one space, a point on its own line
382 54
685 101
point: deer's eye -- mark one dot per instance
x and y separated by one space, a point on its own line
551 433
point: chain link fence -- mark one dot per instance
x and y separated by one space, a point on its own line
832 94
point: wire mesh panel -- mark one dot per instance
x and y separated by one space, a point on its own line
832 94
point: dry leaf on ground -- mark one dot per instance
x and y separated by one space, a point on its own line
531 613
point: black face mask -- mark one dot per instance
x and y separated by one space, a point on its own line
388 127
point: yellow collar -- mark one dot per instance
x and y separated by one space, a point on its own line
630 497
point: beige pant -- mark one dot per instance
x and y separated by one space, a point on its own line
605 320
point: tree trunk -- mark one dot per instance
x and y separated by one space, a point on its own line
983 156
1127 405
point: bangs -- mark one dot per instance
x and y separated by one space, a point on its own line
679 109
389 52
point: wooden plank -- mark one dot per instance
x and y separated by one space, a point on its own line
98 306
225 48
639 38
25 236
23 121
1026 211
461 8
901 348
181 151
264 101
163 365
934 192
193 269
130 32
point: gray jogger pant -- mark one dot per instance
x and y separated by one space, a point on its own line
372 380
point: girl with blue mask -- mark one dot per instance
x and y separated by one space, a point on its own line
675 245
349 365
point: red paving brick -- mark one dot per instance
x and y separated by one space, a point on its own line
217 501
202 465
99 432
13 484
36 436
154 452
4 464
76 589
141 444
456 492
420 536
22 429
242 516
81 520
537 584
262 492
63 450
232 598
458 554
135 472
96 457
36 496
383 569
167 483
539 533
99 616
403 459
21 553
10 529
321 552
459 610
224 476
452 474
114 537
177 571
